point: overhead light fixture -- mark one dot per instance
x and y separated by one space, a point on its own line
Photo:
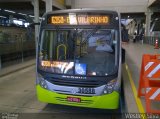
9 11
22 14
93 73
156 19
21 19
31 16
3 17
128 16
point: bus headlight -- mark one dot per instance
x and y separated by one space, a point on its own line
109 88
41 81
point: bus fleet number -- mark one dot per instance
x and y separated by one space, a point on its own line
86 90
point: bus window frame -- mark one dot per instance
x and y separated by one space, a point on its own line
116 48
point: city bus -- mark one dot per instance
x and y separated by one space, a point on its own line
79 58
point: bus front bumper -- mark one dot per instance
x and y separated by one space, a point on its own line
107 101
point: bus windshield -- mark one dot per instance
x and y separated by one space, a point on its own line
85 52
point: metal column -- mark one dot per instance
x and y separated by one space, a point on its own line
49 4
148 21
10 19
0 63
35 3
36 19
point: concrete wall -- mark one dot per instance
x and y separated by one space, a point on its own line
12 33
123 6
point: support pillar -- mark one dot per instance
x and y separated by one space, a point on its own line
10 19
0 62
148 22
35 3
49 4
36 19
138 26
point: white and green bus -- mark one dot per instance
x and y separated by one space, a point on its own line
79 58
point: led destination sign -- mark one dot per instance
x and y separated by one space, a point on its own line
79 20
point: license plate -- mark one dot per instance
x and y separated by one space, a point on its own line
73 99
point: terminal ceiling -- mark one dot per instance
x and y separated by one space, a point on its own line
26 7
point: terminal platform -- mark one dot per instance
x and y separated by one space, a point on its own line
61 59
131 75
24 96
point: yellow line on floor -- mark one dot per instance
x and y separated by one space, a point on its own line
138 101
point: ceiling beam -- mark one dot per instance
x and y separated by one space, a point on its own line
2 1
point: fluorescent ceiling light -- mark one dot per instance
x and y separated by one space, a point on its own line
31 16
3 17
22 14
9 11
156 19
21 19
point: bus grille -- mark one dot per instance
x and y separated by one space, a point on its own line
76 83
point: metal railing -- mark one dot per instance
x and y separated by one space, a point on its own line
16 45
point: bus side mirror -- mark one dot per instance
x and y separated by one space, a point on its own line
123 55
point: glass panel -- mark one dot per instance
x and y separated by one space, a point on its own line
79 51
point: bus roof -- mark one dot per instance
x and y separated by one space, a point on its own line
83 10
